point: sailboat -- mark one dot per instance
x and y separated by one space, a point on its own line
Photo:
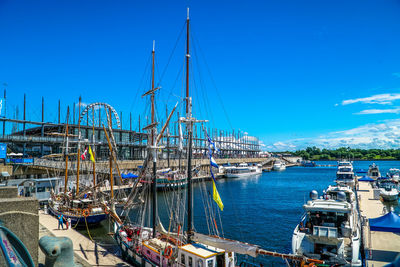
153 245
81 208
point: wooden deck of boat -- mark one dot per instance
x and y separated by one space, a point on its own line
381 248
87 250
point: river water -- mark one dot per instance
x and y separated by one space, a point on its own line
265 209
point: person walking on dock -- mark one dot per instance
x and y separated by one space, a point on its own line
61 221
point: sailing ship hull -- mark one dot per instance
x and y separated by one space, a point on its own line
171 184
80 221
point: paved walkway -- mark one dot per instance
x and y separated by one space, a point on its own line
381 247
89 251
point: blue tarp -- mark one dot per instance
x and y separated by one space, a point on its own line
129 176
387 223
366 179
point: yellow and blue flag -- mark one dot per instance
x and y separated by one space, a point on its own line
216 196
91 155
213 163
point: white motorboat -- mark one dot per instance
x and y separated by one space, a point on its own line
345 165
279 166
345 174
394 174
329 231
373 171
389 191
243 170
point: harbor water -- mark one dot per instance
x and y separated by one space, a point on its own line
264 209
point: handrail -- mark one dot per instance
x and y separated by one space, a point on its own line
14 251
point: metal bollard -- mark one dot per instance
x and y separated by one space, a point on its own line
58 251
45 209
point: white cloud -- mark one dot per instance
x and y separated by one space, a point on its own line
378 111
382 99
383 135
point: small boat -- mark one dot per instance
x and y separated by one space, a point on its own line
373 171
345 174
329 231
394 174
243 170
171 179
388 190
345 165
279 166
308 163
81 212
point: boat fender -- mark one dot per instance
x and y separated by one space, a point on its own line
168 252
85 212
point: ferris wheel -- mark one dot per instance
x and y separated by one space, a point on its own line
99 114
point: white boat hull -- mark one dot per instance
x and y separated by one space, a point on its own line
279 168
246 174
391 195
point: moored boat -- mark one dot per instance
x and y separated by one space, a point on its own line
279 166
243 170
388 190
329 231
373 171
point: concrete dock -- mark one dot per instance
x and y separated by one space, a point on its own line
86 250
381 248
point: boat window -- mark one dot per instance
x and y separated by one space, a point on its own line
200 263
183 259
190 261
210 263
40 189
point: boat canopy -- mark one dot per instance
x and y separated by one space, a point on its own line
389 222
128 176
366 179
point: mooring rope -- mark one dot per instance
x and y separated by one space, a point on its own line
87 228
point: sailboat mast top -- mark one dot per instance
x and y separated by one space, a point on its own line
187 64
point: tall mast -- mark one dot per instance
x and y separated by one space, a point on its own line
94 154
187 62
79 148
190 136
153 144
110 159
66 156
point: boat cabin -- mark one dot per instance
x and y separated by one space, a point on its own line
327 218
333 192
200 255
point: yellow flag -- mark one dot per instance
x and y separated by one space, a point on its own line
217 198
91 154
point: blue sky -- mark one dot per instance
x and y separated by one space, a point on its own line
280 70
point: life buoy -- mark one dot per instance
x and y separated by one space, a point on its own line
85 212
168 252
